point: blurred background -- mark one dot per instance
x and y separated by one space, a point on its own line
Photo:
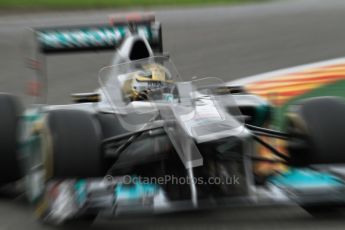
230 39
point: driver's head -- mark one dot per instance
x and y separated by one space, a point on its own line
150 78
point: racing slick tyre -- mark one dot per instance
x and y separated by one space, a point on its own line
75 145
71 149
10 111
317 130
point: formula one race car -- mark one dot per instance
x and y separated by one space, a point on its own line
147 141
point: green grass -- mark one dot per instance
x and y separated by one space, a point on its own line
88 4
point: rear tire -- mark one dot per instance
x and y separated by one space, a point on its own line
10 111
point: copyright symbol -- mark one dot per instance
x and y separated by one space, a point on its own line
127 179
108 179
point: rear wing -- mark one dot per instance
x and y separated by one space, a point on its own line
74 39
52 40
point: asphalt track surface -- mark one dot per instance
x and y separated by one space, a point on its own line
227 42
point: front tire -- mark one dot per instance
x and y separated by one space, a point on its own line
10 111
71 150
317 127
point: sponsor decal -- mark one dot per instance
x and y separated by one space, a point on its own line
87 37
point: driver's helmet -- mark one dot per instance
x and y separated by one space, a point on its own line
150 80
